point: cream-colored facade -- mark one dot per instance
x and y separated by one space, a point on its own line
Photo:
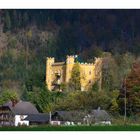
60 72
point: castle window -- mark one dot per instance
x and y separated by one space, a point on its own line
89 82
68 61
82 88
59 72
89 72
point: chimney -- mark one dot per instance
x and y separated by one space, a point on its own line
14 102
99 108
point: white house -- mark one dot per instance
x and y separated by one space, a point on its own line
19 120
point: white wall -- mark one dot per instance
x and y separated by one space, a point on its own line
55 122
19 121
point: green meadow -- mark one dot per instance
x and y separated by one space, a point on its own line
74 128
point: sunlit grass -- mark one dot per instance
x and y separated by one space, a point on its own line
74 128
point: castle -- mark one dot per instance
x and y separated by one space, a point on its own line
58 73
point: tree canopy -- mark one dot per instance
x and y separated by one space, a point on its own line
131 87
75 80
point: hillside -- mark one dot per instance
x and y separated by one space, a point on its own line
27 37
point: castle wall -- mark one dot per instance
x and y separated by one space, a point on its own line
59 69
69 66
49 63
88 72
87 76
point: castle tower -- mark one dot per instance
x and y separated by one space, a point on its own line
69 66
49 62
98 71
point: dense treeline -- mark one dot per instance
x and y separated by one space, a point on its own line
112 30
27 37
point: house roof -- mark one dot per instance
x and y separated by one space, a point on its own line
96 115
40 117
69 115
22 108
100 115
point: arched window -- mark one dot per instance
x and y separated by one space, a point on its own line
89 82
89 72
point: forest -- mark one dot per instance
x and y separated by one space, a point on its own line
27 37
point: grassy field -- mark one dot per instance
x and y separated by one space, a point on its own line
74 128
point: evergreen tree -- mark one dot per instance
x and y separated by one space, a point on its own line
7 22
25 19
8 95
109 73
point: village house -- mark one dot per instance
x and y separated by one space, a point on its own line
21 113
96 116
38 119
67 117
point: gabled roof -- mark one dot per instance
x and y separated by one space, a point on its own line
96 115
22 108
100 115
40 117
69 115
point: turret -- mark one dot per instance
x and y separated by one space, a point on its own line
70 59
49 62
69 66
98 70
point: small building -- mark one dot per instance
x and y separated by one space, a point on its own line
14 113
67 117
37 119
97 116
6 116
